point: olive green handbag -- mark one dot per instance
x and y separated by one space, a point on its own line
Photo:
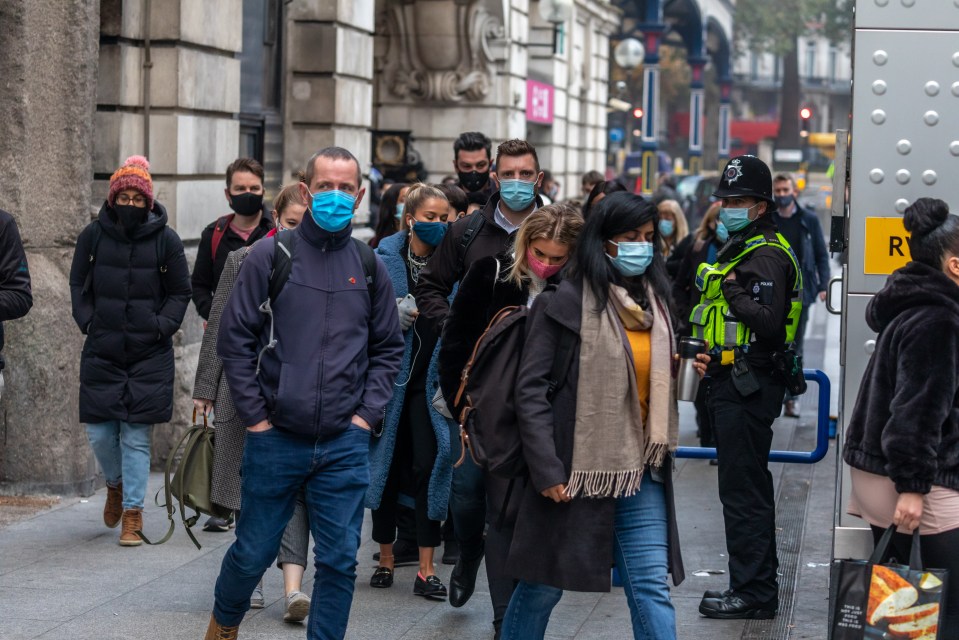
192 480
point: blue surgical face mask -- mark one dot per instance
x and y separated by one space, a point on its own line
666 227
430 232
399 210
722 233
517 194
332 210
735 219
633 258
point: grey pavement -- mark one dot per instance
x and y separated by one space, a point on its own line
62 574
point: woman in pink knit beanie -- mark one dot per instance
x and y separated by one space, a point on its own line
130 286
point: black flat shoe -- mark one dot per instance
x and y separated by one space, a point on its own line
382 578
733 607
714 594
463 580
429 587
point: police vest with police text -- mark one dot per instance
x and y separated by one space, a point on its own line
713 321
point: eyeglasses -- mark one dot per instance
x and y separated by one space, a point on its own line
137 200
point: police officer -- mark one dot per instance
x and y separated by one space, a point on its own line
748 315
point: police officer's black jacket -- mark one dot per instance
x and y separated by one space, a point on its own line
16 297
906 422
760 294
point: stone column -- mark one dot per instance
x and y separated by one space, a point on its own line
46 132
329 80
697 94
650 138
725 116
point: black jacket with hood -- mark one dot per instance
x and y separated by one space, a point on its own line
129 316
906 421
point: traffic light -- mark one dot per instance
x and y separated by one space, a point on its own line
637 113
805 117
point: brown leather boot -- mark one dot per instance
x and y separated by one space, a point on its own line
217 631
113 509
132 522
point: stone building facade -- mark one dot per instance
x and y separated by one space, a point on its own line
193 84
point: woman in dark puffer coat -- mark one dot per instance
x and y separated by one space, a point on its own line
903 439
130 286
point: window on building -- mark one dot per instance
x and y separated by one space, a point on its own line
833 63
754 66
811 59
559 40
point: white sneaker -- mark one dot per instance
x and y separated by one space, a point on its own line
297 607
256 600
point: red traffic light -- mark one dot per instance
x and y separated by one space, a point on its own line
637 113
805 113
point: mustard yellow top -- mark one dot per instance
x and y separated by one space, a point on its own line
641 345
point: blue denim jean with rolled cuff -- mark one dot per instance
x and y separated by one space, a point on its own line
335 474
640 551
123 451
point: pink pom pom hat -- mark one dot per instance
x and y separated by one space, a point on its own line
134 174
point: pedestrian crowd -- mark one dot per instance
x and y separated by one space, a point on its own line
496 372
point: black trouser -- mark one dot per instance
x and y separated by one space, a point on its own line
419 445
742 427
939 551
499 537
704 421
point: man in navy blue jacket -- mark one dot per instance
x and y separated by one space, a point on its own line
312 389
802 230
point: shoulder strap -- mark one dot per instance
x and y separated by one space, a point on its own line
475 224
561 362
94 243
368 258
222 224
284 243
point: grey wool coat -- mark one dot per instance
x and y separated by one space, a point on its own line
210 384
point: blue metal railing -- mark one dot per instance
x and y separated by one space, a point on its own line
801 457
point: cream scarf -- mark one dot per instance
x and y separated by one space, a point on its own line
611 445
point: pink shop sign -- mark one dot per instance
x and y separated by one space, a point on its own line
539 102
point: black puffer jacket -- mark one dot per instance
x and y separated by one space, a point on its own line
906 422
129 317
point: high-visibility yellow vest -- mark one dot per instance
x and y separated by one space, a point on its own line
714 322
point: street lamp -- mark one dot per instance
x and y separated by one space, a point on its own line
629 53
555 11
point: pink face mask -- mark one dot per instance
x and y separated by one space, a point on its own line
542 270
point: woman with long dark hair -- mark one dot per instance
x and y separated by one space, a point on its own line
903 439
390 212
600 452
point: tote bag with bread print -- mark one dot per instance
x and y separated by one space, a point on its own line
875 601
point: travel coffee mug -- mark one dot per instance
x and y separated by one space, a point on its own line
688 382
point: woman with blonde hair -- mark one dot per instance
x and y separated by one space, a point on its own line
540 250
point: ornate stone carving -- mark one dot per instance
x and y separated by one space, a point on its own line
440 50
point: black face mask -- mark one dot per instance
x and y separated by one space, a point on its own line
473 180
129 216
783 202
246 204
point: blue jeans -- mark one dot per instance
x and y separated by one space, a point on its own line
641 556
335 473
123 451
467 500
